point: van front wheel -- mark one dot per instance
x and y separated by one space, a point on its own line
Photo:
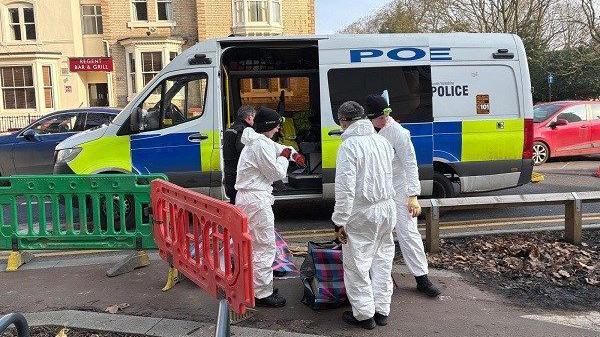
442 186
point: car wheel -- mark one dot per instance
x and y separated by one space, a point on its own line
442 186
541 153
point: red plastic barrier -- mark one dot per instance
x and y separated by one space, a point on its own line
205 239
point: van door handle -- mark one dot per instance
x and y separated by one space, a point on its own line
197 137
583 126
337 132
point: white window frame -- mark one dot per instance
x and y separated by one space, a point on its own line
51 86
95 17
169 4
136 50
33 86
273 4
22 24
155 72
134 14
239 12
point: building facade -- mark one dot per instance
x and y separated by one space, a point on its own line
57 54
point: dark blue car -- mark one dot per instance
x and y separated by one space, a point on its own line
31 149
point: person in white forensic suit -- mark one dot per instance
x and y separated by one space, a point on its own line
364 217
262 162
408 187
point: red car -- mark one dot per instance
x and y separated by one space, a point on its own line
565 128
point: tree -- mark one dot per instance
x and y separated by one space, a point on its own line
592 21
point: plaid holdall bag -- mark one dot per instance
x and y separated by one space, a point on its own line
323 276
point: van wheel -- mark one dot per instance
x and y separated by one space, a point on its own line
541 153
442 186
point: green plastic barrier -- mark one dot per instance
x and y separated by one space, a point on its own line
62 212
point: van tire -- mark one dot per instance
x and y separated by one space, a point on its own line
442 186
541 153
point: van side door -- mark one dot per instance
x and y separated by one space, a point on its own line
175 126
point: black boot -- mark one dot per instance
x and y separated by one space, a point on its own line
426 287
380 319
272 301
368 324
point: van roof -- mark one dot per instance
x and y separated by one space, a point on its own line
446 39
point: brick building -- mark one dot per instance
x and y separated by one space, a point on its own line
58 54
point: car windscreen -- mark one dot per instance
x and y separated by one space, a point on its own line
544 111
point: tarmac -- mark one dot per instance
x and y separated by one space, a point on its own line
74 291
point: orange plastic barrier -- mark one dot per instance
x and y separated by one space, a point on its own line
205 239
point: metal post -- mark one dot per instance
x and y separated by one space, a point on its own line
573 219
223 320
432 229
18 320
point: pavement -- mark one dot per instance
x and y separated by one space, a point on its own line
72 290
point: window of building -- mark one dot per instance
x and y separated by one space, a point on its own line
257 11
276 11
165 10
91 16
238 8
131 72
151 65
22 22
284 83
172 56
176 100
260 83
409 89
48 95
18 91
140 10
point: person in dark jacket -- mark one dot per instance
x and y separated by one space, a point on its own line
232 147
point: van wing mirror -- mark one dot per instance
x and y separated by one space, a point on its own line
337 132
134 120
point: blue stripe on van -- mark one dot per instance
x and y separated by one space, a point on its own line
447 139
422 139
155 153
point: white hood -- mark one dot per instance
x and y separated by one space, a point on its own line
249 136
362 127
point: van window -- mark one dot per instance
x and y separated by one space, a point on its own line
573 114
409 89
176 100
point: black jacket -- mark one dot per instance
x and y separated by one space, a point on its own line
232 148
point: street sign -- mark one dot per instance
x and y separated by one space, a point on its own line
550 78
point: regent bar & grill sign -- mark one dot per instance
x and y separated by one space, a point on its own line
77 64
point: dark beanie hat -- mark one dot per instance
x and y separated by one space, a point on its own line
266 119
376 106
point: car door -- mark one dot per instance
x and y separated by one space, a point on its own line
573 138
594 122
176 131
36 155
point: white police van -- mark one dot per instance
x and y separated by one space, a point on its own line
466 99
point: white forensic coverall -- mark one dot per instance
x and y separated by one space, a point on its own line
259 166
406 183
364 205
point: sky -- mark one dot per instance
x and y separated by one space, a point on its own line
334 15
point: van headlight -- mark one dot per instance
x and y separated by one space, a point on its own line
66 155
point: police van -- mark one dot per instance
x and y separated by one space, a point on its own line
465 98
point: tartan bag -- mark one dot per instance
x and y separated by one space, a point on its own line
323 276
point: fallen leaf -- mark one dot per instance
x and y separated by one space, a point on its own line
62 332
591 281
564 273
113 309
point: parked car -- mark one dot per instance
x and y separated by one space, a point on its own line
31 149
566 128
